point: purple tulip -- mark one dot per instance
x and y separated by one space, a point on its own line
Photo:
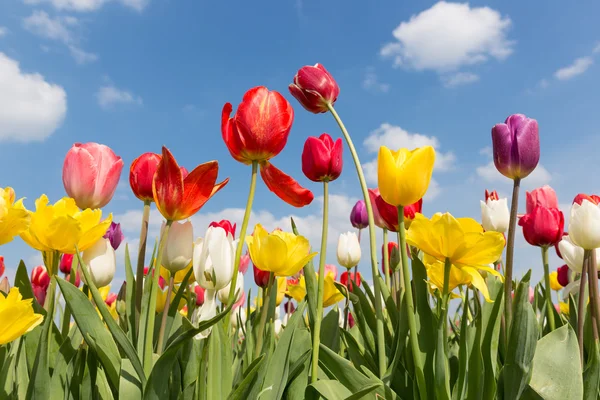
516 146
115 235
358 216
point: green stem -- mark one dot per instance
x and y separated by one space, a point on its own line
263 317
399 280
593 284
410 307
548 291
67 315
386 258
510 247
316 339
163 323
373 246
141 258
581 305
442 387
242 240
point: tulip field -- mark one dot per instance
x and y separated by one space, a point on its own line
444 318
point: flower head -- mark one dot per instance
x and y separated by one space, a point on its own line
516 146
101 262
322 158
543 226
495 215
141 174
584 225
213 258
314 88
17 316
331 294
358 216
179 248
225 224
348 250
544 196
115 235
14 218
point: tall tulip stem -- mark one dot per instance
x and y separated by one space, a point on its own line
240 245
316 338
581 306
163 323
373 246
442 386
510 247
263 315
410 306
386 258
593 284
141 258
548 291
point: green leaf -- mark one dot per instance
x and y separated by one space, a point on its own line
22 282
491 321
173 307
329 389
130 297
311 284
130 386
330 330
249 378
219 381
459 391
591 375
66 353
474 375
299 365
9 366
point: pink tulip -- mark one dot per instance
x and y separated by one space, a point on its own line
91 172
544 196
331 269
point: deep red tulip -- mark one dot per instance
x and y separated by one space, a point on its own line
258 132
591 198
179 198
322 158
493 195
389 213
543 226
261 278
350 276
226 225
199 295
141 173
314 88
2 266
544 196
563 275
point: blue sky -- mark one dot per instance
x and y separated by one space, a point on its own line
137 74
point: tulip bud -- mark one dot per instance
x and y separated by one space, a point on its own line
261 278
199 290
516 146
289 307
495 215
591 198
4 285
141 174
348 277
314 88
358 216
2 266
584 225
331 269
225 224
213 258
544 196
101 261
223 294
348 250
66 262
393 256
562 275
322 158
543 226
115 235
493 195
40 280
244 263
91 172
179 248
238 316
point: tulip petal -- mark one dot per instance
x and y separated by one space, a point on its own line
198 187
231 137
284 186
167 186
478 281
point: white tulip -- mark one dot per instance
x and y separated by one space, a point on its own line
348 250
207 311
495 215
223 294
101 261
213 258
179 248
277 327
573 254
584 225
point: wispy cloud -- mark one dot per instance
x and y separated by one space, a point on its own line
372 83
578 67
459 79
109 96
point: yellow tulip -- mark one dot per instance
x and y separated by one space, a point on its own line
14 218
161 299
179 275
554 285
17 316
62 226
282 253
403 176
331 294
281 289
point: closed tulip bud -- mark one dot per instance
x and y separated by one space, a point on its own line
348 250
591 198
261 278
213 258
314 88
348 277
101 261
289 307
543 226
584 225
141 174
2 266
562 275
544 196
179 248
225 224
40 280
516 146
358 216
66 262
115 235
199 290
223 294
91 172
495 215
393 256
322 158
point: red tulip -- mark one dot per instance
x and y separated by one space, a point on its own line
556 246
314 88
40 280
226 225
162 283
591 198
543 226
350 276
322 158
141 173
493 195
289 307
563 275
199 295
261 278
544 196
91 173
389 213
2 266
179 198
350 321
379 221
66 261
393 256
258 132
110 299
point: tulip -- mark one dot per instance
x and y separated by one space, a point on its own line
4 285
543 226
331 295
495 215
591 198
584 225
282 253
404 175
115 235
91 172
374 195
322 158
178 197
17 316
2 266
110 299
544 196
358 216
101 262
223 294
331 269
348 250
179 248
348 277
141 174
314 88
562 275
516 146
573 254
213 258
244 263
493 195
554 284
205 313
261 278
393 256
40 280
258 132
14 218
66 263
389 213
225 224
199 290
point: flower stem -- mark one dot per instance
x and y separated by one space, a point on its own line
510 247
263 316
67 315
386 258
410 307
593 284
242 239
548 291
316 339
163 323
442 386
373 247
141 258
581 306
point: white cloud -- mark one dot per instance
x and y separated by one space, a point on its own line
578 67
371 82
596 49
88 5
3 31
31 109
108 96
82 57
539 177
448 36
459 78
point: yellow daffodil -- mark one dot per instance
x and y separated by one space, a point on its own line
282 253
14 218
554 285
331 294
404 175
17 316
62 226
